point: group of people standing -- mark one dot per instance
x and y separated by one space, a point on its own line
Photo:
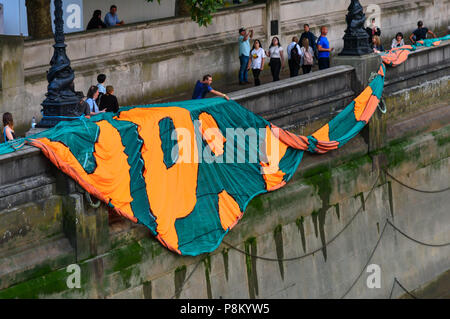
300 53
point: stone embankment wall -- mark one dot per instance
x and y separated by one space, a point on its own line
335 210
147 61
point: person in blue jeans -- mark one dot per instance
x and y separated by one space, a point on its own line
323 46
244 54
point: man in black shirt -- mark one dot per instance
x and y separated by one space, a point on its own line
311 38
420 33
109 101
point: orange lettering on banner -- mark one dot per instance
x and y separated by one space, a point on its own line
274 151
171 191
229 210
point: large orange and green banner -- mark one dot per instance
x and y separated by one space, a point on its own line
187 170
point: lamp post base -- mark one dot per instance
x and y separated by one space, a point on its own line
53 114
356 45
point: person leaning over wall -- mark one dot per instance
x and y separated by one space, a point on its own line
398 41
8 127
256 62
420 33
204 86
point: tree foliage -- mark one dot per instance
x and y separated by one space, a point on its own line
201 10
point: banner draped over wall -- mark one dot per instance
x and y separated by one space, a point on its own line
187 170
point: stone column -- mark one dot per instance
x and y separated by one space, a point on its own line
12 80
273 20
86 227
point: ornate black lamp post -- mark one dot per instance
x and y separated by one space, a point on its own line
62 102
356 39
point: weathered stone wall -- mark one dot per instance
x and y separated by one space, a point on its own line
328 195
165 57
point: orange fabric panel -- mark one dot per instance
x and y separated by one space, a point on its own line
112 174
62 157
171 192
322 133
211 133
371 107
295 141
381 71
229 210
274 152
361 102
323 147
396 57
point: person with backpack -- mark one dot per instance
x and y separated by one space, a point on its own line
307 56
101 78
294 57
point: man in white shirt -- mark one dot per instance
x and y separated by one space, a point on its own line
294 61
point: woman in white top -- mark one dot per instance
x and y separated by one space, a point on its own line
256 61
276 58
307 56
398 41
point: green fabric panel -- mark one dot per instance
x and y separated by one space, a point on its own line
80 137
342 123
169 142
133 143
377 86
242 181
351 133
289 162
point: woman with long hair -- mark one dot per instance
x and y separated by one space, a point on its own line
256 62
376 44
8 127
275 54
92 95
307 56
